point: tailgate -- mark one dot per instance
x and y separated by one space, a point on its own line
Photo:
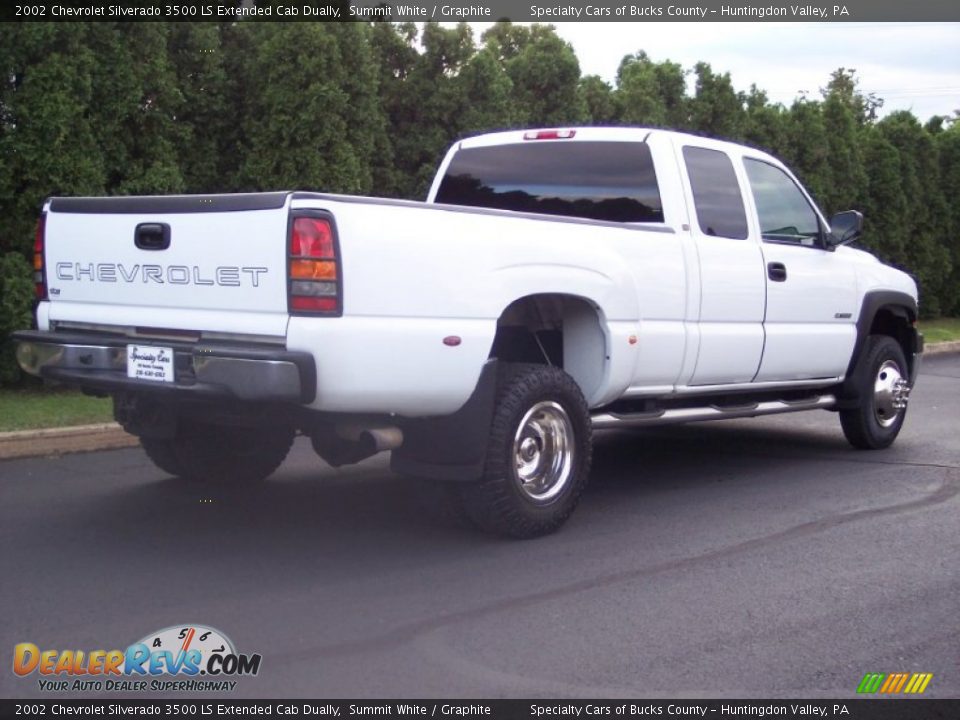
193 262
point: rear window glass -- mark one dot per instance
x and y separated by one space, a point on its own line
716 193
612 181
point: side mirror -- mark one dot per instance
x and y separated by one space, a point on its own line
845 227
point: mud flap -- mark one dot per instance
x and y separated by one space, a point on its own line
451 447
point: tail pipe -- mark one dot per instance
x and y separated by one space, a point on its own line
381 439
348 444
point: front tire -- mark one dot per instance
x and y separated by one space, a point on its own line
884 389
538 454
213 453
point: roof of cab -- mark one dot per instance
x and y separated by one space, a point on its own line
607 134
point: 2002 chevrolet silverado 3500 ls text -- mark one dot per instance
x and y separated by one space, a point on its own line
553 283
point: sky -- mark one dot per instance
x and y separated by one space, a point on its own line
912 66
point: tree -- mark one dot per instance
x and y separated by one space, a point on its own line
840 117
135 101
600 102
650 93
716 109
638 96
48 141
310 118
844 85
544 71
207 145
948 147
394 52
926 212
485 93
427 101
884 206
16 303
807 149
764 123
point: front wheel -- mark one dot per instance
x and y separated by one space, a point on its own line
885 388
203 452
538 454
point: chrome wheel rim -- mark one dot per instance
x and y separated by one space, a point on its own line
543 452
890 393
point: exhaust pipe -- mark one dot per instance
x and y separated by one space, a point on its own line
348 444
381 439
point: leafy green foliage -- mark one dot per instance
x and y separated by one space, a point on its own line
716 108
310 118
926 213
885 207
948 148
765 125
545 74
845 154
639 95
599 100
49 141
206 122
16 302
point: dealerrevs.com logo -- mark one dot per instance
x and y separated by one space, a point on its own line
184 658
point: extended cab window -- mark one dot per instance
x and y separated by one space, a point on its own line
784 213
716 193
612 181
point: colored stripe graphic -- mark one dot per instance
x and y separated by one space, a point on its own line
894 683
918 683
898 684
890 683
914 681
871 682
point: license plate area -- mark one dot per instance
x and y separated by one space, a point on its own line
150 362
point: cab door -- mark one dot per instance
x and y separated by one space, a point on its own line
732 285
810 322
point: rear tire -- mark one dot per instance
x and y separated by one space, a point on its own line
877 419
214 453
538 454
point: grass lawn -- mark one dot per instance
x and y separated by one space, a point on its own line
940 330
35 408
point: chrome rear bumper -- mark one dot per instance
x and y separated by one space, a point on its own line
99 362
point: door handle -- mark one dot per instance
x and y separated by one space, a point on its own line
777 271
152 236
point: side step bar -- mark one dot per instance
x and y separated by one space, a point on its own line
710 412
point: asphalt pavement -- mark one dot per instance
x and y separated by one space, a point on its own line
749 558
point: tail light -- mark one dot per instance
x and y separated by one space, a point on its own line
315 285
39 272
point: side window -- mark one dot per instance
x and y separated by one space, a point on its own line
784 213
716 193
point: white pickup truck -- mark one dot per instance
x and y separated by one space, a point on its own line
554 282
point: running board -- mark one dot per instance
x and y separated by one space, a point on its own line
710 412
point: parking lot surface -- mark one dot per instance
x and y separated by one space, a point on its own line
750 558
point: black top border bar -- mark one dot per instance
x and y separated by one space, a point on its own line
547 11
886 708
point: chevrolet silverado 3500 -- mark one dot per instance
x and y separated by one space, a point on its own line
554 282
